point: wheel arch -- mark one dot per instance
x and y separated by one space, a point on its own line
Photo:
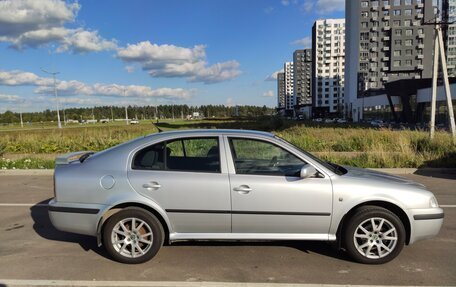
399 212
121 206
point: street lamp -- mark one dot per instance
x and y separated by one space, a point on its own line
55 93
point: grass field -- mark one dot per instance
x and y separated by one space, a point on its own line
356 146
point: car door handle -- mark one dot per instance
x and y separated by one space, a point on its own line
151 185
243 189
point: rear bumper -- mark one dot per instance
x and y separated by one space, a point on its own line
75 217
426 223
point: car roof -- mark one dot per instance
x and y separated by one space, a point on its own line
214 132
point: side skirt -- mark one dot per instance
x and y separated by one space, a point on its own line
251 236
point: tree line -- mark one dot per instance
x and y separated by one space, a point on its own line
138 112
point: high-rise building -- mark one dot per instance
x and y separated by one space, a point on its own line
289 91
449 16
281 92
385 42
302 85
328 47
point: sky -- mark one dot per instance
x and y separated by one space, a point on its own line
147 52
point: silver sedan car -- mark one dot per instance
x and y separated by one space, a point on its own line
234 185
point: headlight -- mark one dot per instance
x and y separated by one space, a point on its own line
433 202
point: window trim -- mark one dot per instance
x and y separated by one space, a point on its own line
165 141
233 152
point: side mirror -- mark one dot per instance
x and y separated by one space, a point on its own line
308 171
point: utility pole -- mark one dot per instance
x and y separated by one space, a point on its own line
112 115
439 50
55 94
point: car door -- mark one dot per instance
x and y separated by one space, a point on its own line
269 196
188 178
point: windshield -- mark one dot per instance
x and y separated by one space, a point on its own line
337 169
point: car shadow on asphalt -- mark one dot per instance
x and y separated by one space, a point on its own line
44 228
308 247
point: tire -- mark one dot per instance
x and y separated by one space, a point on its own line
374 235
137 246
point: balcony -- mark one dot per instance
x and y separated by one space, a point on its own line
373 59
386 38
419 16
420 56
386 7
374 19
373 79
385 79
386 48
421 36
374 8
385 69
386 17
420 67
420 5
373 69
374 39
420 46
417 77
374 29
373 49
385 59
386 28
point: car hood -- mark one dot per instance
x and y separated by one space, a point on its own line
376 176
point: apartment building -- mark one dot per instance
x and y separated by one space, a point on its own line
289 90
386 42
302 81
328 48
281 92
449 16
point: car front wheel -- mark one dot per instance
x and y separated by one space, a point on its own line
133 235
374 235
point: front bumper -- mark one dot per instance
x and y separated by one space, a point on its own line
75 217
425 223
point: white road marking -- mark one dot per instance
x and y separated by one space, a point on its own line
13 282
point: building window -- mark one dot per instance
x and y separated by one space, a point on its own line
408 32
408 62
408 2
364 24
397 63
364 14
374 3
398 32
420 31
397 12
408 12
407 23
397 23
364 4
397 2
397 53
408 42
408 52
386 2
397 42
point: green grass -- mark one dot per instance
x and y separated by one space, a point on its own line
356 146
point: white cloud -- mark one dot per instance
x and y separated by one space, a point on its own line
75 88
9 98
229 102
273 76
285 2
306 42
20 78
269 93
329 6
174 61
268 10
31 23
130 68
307 6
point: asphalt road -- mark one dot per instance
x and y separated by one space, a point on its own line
30 248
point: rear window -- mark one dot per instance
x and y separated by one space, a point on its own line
188 154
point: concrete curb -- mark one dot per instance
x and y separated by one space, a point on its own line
27 172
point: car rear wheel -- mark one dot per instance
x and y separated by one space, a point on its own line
374 235
133 235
